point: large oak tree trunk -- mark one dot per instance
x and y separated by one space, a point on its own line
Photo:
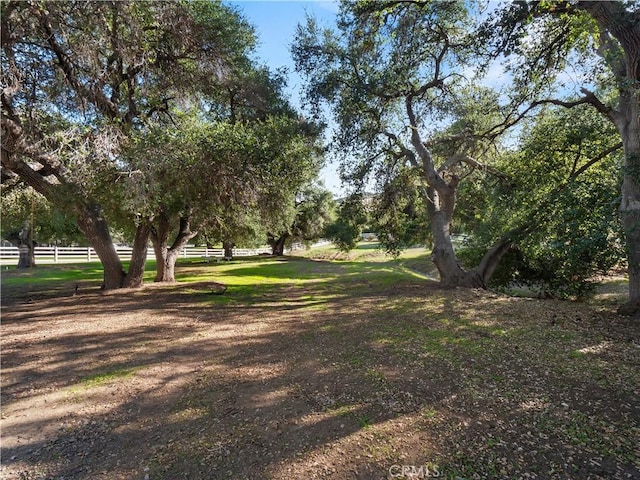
440 207
630 199
26 246
228 249
166 256
165 263
94 226
92 223
614 18
277 244
26 256
134 278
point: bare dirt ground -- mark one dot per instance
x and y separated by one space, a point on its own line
352 377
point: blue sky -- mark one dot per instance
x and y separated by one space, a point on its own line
275 23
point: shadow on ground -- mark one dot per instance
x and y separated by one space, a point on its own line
336 372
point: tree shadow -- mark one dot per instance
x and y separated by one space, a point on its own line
172 381
280 394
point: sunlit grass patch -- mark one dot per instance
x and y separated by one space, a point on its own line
109 376
188 413
375 376
330 329
343 410
52 274
429 413
364 252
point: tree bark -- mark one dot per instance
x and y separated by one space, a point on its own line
277 244
440 209
492 258
26 256
630 199
228 249
135 275
613 19
441 201
92 223
440 206
166 256
24 241
165 263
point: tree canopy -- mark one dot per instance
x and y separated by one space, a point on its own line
600 41
150 116
395 77
80 76
574 232
392 74
313 210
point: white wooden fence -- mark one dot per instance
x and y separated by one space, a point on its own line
47 255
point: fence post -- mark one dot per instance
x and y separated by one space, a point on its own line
88 254
55 254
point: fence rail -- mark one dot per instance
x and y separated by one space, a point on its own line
48 255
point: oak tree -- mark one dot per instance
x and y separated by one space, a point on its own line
392 75
601 41
79 77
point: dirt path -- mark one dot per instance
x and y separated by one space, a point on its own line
350 380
